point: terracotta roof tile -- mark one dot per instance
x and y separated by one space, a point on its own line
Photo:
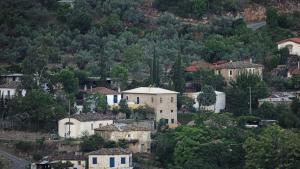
295 40
238 65
92 117
122 127
11 85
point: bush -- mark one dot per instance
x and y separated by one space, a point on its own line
24 146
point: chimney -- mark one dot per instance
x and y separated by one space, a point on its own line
250 60
91 88
119 89
230 61
85 88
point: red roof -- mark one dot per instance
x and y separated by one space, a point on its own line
220 62
295 40
191 68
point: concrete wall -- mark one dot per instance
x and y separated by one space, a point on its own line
295 50
103 162
77 128
162 104
110 100
217 107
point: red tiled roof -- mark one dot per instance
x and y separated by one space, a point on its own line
295 40
220 62
191 68
102 90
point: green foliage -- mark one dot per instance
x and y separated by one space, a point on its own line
95 102
178 77
36 111
213 146
273 148
123 108
238 93
69 81
207 96
120 74
24 146
207 77
272 17
61 165
91 143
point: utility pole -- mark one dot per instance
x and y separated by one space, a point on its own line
250 101
69 133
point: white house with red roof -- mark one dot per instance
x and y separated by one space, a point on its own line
112 97
293 44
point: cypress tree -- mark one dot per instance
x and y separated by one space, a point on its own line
154 74
178 76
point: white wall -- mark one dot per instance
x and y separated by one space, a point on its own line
110 100
78 128
4 92
295 50
217 107
103 161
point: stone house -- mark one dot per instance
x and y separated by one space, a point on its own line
138 138
114 158
230 70
79 124
293 45
164 102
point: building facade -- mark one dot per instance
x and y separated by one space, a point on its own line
112 97
138 138
82 124
230 70
164 102
110 158
293 45
10 89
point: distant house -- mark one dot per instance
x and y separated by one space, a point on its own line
164 102
278 98
139 138
114 158
78 161
79 124
217 107
10 89
112 97
293 45
231 70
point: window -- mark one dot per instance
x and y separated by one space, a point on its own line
172 121
112 162
219 72
79 162
8 93
172 99
126 97
92 126
172 111
230 72
166 121
161 100
115 98
123 160
128 135
160 111
137 100
152 99
94 160
74 168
